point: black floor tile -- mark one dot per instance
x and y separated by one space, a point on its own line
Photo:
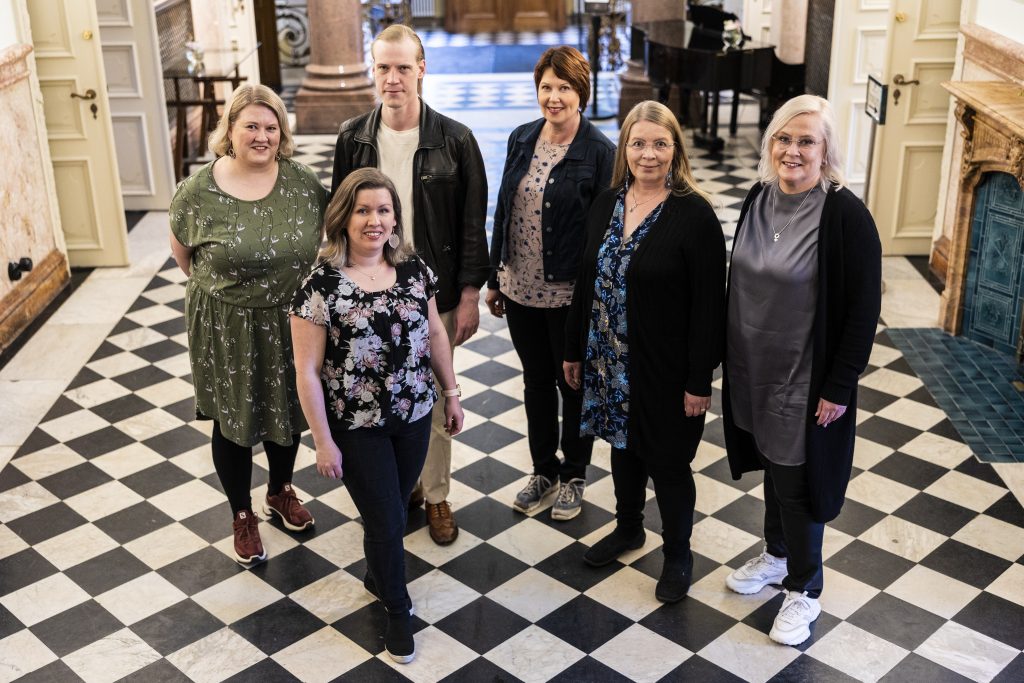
567 566
180 439
886 432
54 671
479 670
294 569
490 373
869 564
161 350
179 625
589 669
373 671
585 623
810 670
489 437
156 479
160 671
965 563
106 571
936 514
856 518
11 478
995 617
697 668
487 475
8 623
24 568
61 407
75 480
486 518
490 346
267 671
591 518
143 377
483 568
134 522
689 623
762 618
897 621
1013 673
980 470
85 376
100 442
908 470
51 521
200 570
37 440
873 400
746 512
490 403
482 625
1007 509
914 667
76 627
211 524
122 408
277 626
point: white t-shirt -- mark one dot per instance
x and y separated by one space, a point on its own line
397 149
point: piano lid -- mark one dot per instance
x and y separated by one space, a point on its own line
684 34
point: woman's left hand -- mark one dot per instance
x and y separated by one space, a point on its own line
695 405
453 415
828 412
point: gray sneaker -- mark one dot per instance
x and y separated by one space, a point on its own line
532 495
569 501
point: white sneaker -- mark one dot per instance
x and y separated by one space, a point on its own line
792 624
757 573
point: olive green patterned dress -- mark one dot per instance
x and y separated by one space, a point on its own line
249 259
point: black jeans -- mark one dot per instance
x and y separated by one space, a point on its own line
538 335
673 488
380 465
789 529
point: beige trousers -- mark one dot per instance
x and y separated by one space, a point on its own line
436 478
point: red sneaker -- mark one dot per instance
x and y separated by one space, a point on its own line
288 507
248 546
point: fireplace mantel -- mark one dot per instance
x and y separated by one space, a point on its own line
991 123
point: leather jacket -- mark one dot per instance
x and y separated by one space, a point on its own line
449 196
574 182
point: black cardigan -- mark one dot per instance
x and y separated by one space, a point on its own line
675 314
845 319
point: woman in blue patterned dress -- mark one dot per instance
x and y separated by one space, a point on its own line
644 335
367 334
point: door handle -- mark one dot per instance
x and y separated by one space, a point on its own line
90 94
899 80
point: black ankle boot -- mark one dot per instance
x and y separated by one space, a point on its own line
675 579
398 640
608 549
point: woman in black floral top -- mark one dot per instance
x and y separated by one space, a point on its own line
366 335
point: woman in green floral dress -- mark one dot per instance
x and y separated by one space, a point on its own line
246 228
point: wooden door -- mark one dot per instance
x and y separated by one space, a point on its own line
65 34
489 16
135 86
907 159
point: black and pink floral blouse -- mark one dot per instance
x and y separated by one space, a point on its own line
377 363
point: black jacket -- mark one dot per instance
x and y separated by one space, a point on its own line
845 319
675 317
449 195
573 183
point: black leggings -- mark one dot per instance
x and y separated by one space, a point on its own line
234 467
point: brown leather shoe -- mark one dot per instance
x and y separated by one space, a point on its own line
416 497
443 529
248 546
288 507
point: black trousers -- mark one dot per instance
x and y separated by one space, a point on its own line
673 488
233 463
789 529
538 335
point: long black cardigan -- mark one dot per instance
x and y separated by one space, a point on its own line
675 316
845 319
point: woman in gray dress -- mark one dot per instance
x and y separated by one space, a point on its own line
245 228
803 302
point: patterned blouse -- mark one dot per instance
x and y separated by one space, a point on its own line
522 278
377 364
606 368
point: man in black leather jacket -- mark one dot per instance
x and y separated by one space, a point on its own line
438 170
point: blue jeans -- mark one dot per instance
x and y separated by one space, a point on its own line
380 466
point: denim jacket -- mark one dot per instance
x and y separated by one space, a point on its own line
582 174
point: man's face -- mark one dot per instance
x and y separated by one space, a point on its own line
397 72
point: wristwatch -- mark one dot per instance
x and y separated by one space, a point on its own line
448 393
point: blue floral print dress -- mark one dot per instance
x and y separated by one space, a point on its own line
377 363
606 367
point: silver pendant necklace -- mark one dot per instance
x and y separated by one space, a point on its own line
776 234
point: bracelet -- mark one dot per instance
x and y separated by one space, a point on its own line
448 393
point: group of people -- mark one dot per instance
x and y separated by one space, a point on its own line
339 313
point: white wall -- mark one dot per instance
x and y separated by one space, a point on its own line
8 25
1005 17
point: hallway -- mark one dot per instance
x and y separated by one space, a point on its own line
115 545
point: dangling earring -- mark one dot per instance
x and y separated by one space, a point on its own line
277 157
231 151
394 241
668 179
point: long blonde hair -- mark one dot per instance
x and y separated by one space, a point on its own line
832 160
681 177
242 97
339 212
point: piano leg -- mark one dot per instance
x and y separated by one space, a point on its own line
703 138
734 115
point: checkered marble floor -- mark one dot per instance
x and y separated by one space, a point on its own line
115 539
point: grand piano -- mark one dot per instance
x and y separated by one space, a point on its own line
693 57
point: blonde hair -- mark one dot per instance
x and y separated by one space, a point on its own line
832 160
681 179
339 212
396 33
242 97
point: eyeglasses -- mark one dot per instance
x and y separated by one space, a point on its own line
785 141
659 146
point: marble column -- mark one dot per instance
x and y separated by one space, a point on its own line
337 85
634 84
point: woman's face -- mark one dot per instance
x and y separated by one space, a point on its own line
798 152
558 101
649 152
255 135
372 221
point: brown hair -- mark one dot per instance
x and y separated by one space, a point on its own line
242 97
339 212
681 180
569 65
